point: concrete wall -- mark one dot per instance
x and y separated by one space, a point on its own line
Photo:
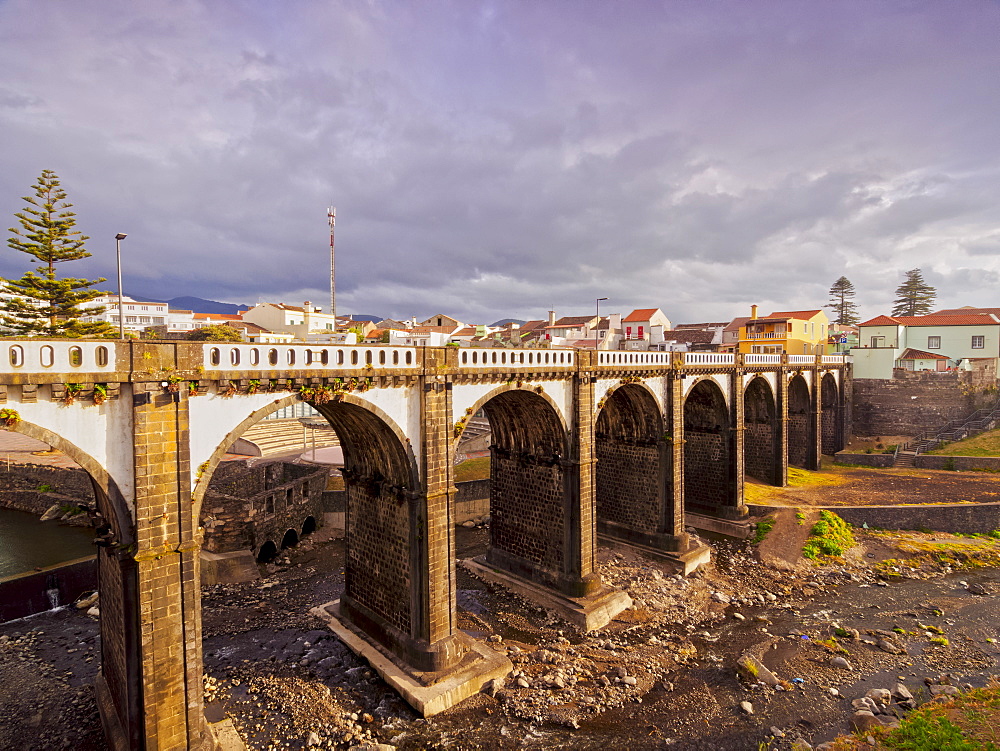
26 594
910 403
966 463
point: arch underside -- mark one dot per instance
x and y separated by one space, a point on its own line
799 427
629 476
832 436
760 448
707 451
381 491
527 486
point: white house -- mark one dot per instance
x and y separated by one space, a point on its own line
932 342
291 319
138 315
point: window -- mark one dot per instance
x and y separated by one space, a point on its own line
934 342
878 341
978 342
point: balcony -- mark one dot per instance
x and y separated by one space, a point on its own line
756 335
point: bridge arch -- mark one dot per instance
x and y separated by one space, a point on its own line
708 454
800 432
529 479
632 498
832 433
761 436
119 686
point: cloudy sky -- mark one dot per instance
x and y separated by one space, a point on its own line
492 159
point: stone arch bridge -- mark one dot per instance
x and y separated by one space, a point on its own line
621 443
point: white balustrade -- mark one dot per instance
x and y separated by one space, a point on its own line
219 356
633 358
838 359
758 359
63 356
802 359
709 358
473 357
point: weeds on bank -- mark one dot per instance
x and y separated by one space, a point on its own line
761 529
966 722
473 469
960 552
829 536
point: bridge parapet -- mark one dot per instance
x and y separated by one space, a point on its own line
58 356
254 357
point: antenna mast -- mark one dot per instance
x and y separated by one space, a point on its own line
331 215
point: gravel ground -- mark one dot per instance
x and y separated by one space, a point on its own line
660 676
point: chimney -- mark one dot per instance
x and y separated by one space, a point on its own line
306 309
753 312
552 318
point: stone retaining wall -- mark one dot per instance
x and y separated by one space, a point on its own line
966 463
909 403
956 517
866 460
26 594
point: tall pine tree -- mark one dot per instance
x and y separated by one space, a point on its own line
42 304
914 297
842 301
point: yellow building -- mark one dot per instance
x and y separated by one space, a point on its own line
796 332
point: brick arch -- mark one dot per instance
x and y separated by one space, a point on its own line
800 433
111 501
479 404
707 451
118 683
198 495
528 485
832 435
761 458
628 444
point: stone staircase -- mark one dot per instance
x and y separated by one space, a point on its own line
964 427
286 435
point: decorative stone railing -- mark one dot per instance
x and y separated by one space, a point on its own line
57 356
709 358
230 357
470 357
634 358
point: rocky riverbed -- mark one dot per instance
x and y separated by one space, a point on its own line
663 675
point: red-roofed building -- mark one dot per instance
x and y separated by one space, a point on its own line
643 327
794 332
960 339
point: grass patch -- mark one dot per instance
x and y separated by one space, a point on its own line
473 469
830 536
967 722
761 529
957 552
984 444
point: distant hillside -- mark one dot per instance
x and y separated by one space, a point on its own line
373 319
505 321
201 305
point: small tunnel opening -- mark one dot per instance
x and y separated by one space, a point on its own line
268 552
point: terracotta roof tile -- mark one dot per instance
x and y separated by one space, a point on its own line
919 354
640 314
933 320
800 314
571 322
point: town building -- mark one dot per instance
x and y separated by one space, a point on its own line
796 332
938 342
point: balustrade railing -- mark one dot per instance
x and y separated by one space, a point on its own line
758 359
471 357
709 358
305 356
633 358
65 356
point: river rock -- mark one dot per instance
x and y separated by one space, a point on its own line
902 692
880 696
839 662
721 597
863 721
938 690
977 589
890 645
52 512
85 603
752 670
746 707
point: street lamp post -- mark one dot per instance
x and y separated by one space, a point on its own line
121 308
596 325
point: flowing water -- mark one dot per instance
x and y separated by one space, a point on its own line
27 544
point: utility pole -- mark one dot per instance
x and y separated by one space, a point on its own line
331 215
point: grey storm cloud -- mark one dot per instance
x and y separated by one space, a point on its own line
493 159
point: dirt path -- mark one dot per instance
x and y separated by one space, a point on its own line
857 486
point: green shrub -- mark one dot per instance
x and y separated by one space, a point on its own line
829 536
761 529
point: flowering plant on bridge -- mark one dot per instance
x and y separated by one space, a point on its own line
100 394
70 392
9 417
193 388
253 386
